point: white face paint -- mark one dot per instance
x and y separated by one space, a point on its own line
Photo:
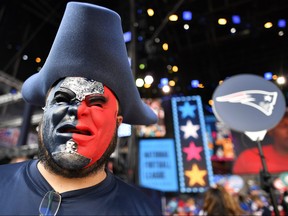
82 87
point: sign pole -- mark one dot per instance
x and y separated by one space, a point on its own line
266 177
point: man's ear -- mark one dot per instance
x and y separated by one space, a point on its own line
119 119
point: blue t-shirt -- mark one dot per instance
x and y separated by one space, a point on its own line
22 188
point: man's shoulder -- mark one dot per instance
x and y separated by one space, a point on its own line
9 170
12 166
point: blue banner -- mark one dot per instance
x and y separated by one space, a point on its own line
157 164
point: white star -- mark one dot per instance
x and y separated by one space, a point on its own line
190 130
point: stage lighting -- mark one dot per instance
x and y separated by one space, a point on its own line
268 25
166 89
268 75
164 81
187 15
150 12
139 82
281 23
127 36
194 83
281 80
149 79
173 17
222 21
236 19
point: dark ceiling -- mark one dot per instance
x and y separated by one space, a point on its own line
206 51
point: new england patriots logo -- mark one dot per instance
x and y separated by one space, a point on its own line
261 100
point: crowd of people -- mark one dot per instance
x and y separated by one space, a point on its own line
217 200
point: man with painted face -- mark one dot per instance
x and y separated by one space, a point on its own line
86 89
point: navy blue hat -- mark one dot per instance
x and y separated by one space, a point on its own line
89 43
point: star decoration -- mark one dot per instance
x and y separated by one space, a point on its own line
187 110
196 176
193 151
190 130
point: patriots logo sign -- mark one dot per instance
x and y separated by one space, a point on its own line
248 103
263 101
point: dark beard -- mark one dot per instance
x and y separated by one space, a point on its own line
50 165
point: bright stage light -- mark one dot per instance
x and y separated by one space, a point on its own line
164 81
127 36
222 21
268 25
148 79
281 23
166 89
236 19
187 15
194 83
268 75
139 82
173 17
281 80
150 12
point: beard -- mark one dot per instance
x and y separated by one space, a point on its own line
50 165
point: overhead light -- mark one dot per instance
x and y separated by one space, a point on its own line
268 75
146 85
281 23
25 57
164 81
187 15
38 59
236 19
148 79
233 30
165 46
280 33
173 17
268 25
166 89
150 12
139 82
281 80
194 83
127 36
186 26
142 66
175 68
222 21
172 83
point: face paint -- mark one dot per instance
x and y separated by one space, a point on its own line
79 122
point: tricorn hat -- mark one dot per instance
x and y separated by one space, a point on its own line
89 43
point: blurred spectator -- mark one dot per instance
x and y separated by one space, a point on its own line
259 207
245 203
217 201
181 206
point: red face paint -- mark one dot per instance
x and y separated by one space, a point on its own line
98 115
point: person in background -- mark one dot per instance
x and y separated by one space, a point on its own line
276 154
259 207
87 90
217 201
